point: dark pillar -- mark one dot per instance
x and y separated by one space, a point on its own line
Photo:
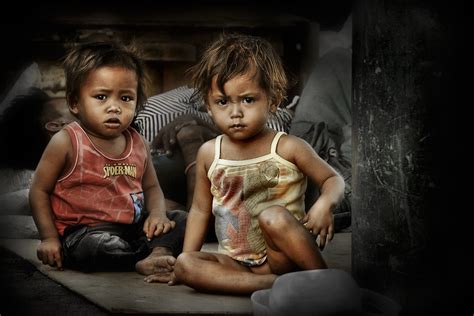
406 224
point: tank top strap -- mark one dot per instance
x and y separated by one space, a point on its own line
217 147
275 140
76 134
217 155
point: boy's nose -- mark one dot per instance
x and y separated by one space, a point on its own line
114 109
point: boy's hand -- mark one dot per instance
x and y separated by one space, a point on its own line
156 225
319 221
50 252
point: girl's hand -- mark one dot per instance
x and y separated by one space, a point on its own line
156 225
320 222
50 252
168 277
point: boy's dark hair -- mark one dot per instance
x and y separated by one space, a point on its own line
237 54
23 137
83 58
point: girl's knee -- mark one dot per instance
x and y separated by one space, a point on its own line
183 266
274 218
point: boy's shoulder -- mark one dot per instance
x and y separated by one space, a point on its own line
61 138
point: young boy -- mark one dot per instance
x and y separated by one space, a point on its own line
95 196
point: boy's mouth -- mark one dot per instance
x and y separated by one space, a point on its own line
112 122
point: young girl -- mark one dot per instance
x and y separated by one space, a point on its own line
252 178
95 184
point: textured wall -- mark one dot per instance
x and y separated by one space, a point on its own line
399 79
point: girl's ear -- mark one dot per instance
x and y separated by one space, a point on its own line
209 111
273 107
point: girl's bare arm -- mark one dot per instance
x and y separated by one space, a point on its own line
200 212
319 219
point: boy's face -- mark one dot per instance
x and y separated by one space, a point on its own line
242 109
107 101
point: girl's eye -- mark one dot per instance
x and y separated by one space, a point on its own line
100 97
248 100
221 102
126 98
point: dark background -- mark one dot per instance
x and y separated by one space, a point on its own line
424 43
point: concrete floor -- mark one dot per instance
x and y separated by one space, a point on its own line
125 292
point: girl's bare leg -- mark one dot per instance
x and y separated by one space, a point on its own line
290 246
217 273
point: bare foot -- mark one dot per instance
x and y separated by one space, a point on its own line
160 261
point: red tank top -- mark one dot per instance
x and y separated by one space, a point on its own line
99 188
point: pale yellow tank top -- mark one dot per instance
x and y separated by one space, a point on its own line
242 189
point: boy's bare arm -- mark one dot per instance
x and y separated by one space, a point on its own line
200 212
51 165
157 222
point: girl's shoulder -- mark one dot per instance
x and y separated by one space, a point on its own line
206 153
289 142
289 145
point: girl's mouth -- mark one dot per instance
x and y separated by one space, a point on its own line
237 126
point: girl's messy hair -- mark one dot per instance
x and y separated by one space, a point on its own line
83 58
232 55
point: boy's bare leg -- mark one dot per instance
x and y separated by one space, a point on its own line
217 273
296 249
159 262
172 205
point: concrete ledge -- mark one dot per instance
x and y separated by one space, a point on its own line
126 292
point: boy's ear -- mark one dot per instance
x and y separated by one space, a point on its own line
73 108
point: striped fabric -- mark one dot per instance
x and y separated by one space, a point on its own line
163 108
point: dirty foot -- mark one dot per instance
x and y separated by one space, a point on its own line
158 262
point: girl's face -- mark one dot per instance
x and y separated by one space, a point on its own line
107 101
242 111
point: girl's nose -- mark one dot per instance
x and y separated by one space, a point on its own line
236 111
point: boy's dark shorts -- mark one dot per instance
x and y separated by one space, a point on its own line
117 247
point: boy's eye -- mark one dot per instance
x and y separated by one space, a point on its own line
126 98
100 97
